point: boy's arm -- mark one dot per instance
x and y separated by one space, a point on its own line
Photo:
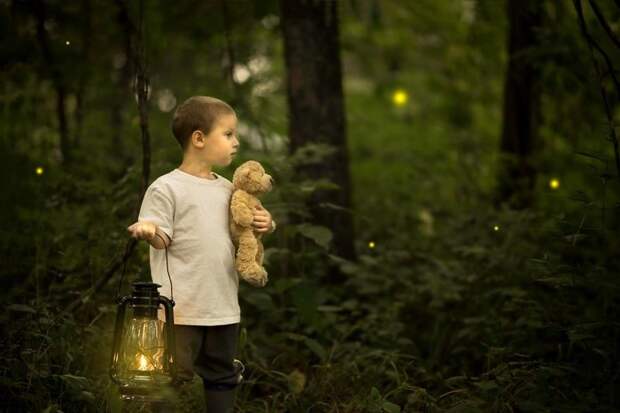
157 217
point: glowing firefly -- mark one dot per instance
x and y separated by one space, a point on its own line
399 97
371 244
496 227
39 170
67 42
554 183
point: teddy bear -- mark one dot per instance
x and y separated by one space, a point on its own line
249 181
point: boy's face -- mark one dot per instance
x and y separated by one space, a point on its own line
221 143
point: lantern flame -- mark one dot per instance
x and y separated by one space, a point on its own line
143 363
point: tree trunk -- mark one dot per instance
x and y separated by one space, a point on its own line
517 173
316 111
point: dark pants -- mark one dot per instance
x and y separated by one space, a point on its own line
209 351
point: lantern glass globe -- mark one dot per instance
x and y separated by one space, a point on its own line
143 356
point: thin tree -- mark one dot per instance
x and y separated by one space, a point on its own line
141 87
58 79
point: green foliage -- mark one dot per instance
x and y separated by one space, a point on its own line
47 361
443 313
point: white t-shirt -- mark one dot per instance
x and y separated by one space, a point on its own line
193 212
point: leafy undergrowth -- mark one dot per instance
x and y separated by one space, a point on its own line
474 318
486 311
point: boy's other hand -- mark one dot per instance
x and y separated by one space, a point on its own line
143 230
262 219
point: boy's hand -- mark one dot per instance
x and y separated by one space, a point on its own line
143 230
262 219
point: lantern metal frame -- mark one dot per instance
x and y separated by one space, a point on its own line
145 301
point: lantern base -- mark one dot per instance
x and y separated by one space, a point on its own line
148 406
146 394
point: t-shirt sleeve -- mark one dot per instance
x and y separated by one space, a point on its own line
157 207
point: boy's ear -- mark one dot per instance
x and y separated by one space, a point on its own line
197 135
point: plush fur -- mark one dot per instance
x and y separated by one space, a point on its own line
249 182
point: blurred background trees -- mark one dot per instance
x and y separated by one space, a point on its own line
446 197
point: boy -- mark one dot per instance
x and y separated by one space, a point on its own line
186 210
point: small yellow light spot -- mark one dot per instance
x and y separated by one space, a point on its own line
39 170
399 97
496 228
371 244
67 42
554 183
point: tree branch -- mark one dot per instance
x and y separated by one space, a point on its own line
592 44
604 23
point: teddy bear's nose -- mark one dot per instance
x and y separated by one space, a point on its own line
272 181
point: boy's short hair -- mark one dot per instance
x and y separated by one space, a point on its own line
197 113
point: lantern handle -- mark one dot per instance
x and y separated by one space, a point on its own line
167 269
120 281
118 333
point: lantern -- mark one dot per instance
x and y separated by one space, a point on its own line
143 347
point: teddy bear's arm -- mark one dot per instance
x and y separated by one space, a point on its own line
241 212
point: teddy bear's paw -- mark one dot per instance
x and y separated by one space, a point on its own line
256 282
259 283
264 277
254 275
257 278
262 282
